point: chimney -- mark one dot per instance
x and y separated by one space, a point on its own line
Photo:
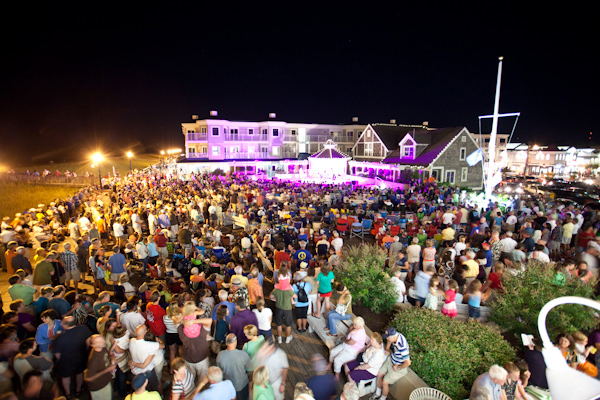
425 123
354 119
272 115
392 121
214 113
194 117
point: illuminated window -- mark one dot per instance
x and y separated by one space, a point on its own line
215 150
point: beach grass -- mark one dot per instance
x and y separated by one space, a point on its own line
17 197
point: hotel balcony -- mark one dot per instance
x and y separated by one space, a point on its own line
196 136
197 155
246 138
248 155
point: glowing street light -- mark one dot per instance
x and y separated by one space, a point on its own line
97 158
129 155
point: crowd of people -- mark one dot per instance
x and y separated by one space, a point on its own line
174 286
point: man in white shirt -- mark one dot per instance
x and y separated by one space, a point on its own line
85 223
511 220
119 232
508 243
448 217
143 354
399 286
152 222
131 319
337 242
136 222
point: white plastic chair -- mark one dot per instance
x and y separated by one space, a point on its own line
427 393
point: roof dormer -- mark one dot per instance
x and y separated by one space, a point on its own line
408 147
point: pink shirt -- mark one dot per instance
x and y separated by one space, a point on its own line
451 296
359 337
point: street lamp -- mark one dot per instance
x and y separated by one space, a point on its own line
97 158
129 155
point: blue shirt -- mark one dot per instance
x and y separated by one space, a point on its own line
220 390
422 284
307 288
400 351
322 386
231 308
116 262
302 255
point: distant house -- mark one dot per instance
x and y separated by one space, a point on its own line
442 153
438 153
377 141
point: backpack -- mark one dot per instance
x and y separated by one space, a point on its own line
302 295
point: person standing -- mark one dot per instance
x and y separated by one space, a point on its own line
142 254
235 363
283 311
98 375
70 262
42 274
242 318
276 361
70 350
142 356
195 349
117 264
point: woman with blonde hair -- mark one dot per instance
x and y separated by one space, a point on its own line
262 389
366 367
172 320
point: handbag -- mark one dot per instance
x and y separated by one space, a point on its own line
342 308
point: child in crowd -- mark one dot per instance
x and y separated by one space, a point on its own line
449 307
474 298
264 317
190 313
523 378
431 301
583 351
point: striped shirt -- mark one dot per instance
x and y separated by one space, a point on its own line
184 388
399 351
169 324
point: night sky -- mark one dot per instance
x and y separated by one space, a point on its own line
80 79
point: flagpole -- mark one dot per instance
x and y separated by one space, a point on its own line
492 146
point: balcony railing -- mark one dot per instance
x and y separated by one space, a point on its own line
247 155
246 138
289 154
290 138
197 155
197 136
318 138
343 138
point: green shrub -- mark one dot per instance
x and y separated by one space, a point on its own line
516 311
449 354
361 270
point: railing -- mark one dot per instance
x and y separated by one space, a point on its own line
343 138
245 155
197 136
290 138
197 155
318 138
246 138
289 154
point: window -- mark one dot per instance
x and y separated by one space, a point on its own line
275 149
502 140
202 129
215 131
264 132
293 131
250 131
215 150
547 156
368 149
275 132
191 131
450 176
486 140
463 153
191 150
464 174
233 131
463 139
409 151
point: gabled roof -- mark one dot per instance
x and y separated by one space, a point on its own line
330 151
432 143
391 135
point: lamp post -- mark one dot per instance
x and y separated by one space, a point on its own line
129 155
97 158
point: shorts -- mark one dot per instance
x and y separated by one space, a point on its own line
69 368
75 275
283 317
474 312
325 294
390 375
301 312
172 338
414 267
566 240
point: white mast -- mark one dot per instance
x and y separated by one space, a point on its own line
489 187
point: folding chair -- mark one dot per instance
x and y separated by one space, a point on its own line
357 230
366 226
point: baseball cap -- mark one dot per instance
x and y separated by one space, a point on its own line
139 380
390 332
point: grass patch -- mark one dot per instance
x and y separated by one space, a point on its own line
121 165
18 197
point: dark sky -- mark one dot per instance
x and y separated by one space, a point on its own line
79 79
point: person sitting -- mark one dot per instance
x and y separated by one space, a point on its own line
367 366
351 346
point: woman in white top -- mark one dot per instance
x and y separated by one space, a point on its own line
367 365
264 315
172 320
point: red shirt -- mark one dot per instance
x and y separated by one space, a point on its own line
281 256
496 282
160 240
154 316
